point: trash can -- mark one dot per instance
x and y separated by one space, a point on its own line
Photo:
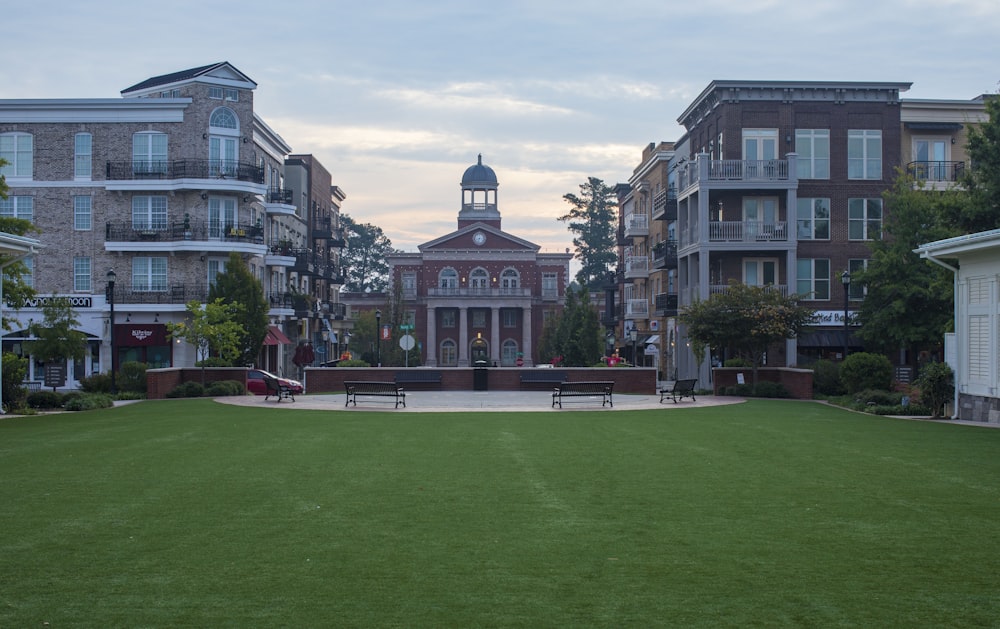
481 376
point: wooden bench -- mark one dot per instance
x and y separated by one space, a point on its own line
418 376
377 389
681 389
544 376
583 389
278 390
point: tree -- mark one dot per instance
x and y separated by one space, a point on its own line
982 181
592 219
746 319
573 336
211 328
908 302
365 257
57 336
15 291
236 285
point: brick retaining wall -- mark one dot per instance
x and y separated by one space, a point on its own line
799 382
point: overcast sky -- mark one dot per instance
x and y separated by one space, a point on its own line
397 97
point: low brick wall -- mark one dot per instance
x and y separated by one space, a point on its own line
799 382
627 380
159 382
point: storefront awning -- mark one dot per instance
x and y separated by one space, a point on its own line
276 337
827 338
654 340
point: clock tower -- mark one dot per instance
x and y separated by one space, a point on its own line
479 197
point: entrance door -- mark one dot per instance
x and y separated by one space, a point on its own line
931 157
760 217
222 156
221 216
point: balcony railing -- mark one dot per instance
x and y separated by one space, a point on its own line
704 170
721 288
183 230
636 266
936 171
666 304
636 308
747 231
472 291
636 225
154 293
665 255
665 205
185 169
279 195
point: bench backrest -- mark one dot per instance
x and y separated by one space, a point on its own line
685 385
587 386
271 385
375 387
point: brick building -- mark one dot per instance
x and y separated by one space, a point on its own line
479 293
160 186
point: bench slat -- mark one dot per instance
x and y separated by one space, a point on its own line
584 389
379 389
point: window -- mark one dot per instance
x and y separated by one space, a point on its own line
221 216
760 144
83 152
82 213
550 285
857 290
18 207
479 278
448 278
479 318
509 317
409 282
813 148
864 219
814 279
864 154
149 213
931 157
449 355
16 149
508 353
149 274
232 94
215 93
813 216
149 154
224 118
448 318
81 274
215 266
28 277
510 278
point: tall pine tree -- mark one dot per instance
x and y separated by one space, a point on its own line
592 219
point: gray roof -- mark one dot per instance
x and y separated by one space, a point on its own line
183 75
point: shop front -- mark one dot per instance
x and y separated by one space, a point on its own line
143 342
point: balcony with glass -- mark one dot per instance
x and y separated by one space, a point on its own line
636 225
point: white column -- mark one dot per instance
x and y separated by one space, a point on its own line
463 337
495 336
431 348
526 341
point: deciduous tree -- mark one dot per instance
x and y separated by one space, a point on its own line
56 336
236 285
210 328
982 179
574 335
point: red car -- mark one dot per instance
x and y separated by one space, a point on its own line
255 382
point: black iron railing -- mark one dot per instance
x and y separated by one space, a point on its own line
154 292
185 169
154 231
279 195
936 171
665 254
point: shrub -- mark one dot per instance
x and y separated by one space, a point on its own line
223 388
876 397
737 362
132 377
15 369
70 396
764 389
45 400
89 402
130 395
866 371
97 383
354 362
214 361
186 389
826 378
910 409
937 386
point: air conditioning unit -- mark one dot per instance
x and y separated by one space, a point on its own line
654 325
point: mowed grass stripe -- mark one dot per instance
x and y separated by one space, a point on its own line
191 513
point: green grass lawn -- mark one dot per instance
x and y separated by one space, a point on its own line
191 513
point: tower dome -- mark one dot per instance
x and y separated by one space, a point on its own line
479 196
480 174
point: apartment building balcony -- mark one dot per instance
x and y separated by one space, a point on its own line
550 294
764 174
665 205
636 225
666 304
185 174
747 232
186 235
165 294
323 228
665 255
936 175
636 309
636 267
279 202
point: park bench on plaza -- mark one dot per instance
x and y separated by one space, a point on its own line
376 389
583 389
418 376
543 376
681 389
278 390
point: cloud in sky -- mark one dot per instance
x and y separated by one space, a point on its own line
396 98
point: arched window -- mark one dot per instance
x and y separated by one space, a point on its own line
508 353
479 278
449 354
448 278
510 278
224 118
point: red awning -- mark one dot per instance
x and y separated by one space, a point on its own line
276 337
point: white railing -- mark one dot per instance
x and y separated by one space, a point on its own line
636 225
747 231
637 308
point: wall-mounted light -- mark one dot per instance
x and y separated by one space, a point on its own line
952 140
204 136
128 317
204 196
788 139
245 139
156 318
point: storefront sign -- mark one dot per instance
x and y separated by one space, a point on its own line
140 334
75 301
835 317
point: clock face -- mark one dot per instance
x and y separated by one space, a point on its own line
479 238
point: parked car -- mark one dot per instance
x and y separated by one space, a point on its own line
255 382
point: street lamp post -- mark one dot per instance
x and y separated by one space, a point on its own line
111 277
633 335
845 278
378 338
